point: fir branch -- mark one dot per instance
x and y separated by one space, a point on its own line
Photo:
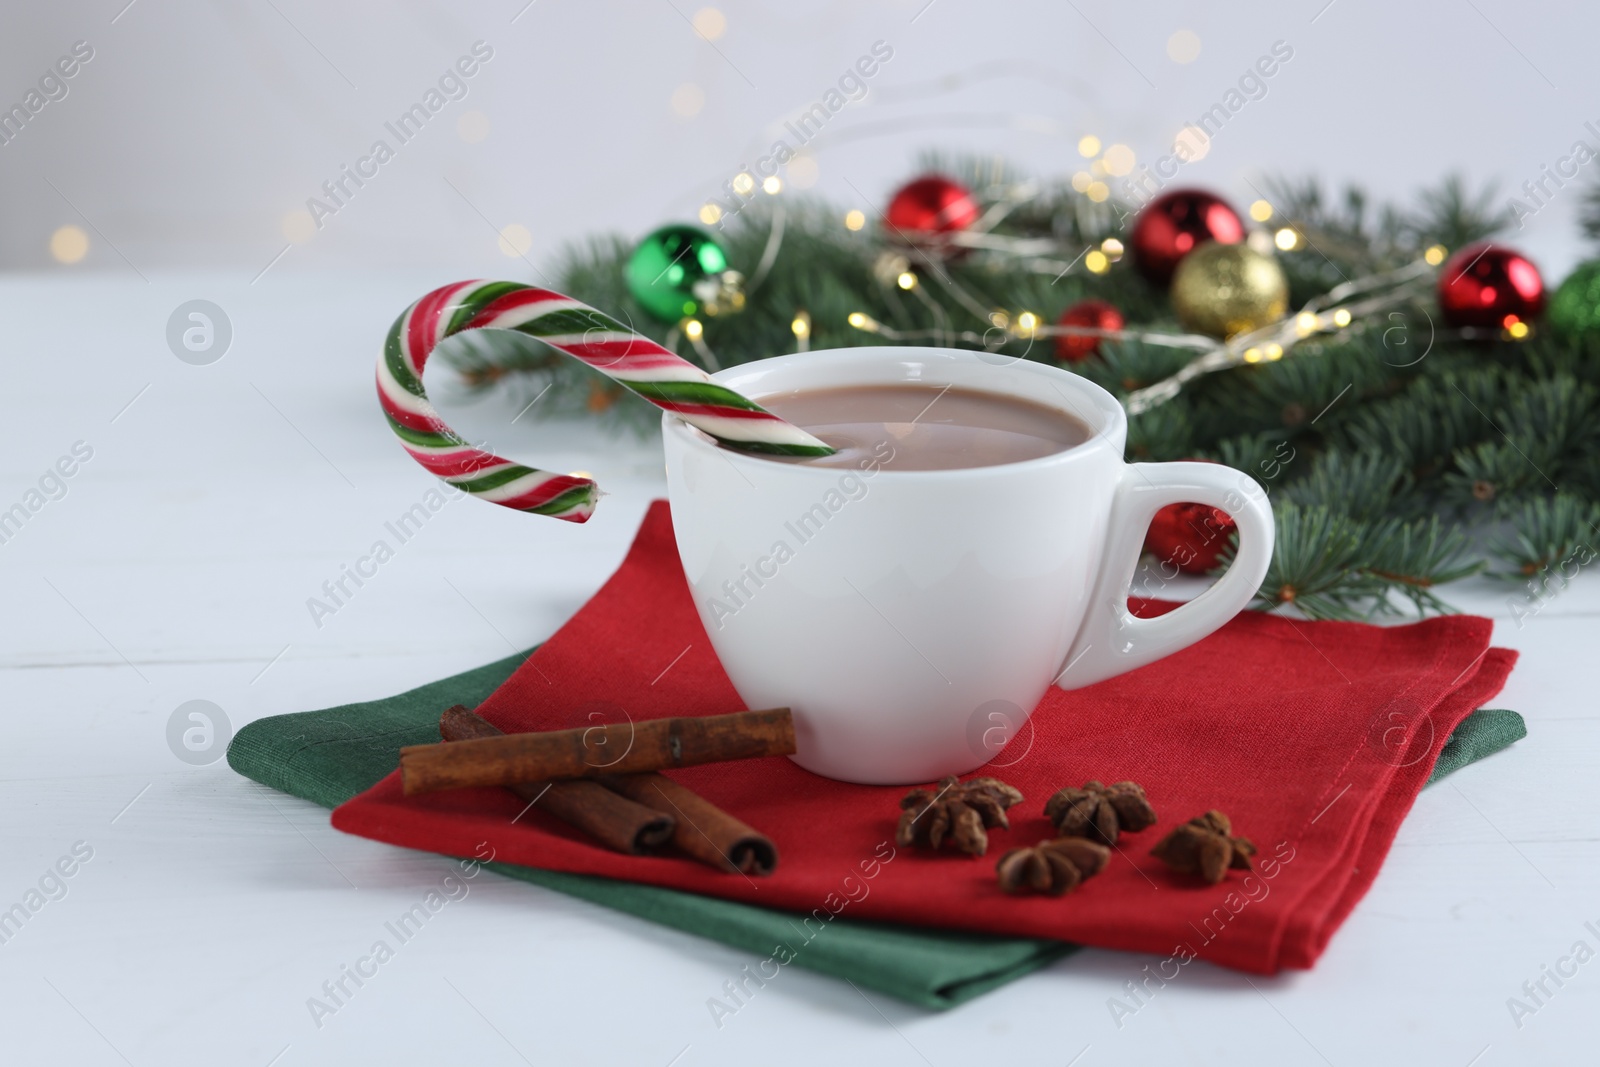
1125 366
1589 212
1454 216
1165 437
1546 531
1497 472
1411 559
1427 423
1293 392
1362 485
1316 565
1264 455
1371 449
1559 412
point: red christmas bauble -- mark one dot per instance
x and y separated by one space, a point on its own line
1191 537
1489 286
1091 314
930 207
1174 224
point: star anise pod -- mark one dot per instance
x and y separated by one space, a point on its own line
1052 867
1100 812
1205 845
959 812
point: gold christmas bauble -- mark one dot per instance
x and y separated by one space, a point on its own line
1222 290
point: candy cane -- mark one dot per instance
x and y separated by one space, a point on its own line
666 380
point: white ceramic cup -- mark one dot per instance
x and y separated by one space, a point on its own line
913 619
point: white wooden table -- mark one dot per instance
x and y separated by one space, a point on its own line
177 567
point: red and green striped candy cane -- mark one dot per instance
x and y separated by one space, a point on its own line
666 380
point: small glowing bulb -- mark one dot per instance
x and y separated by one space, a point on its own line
860 321
1097 262
907 280
801 325
999 318
771 186
1341 318
515 240
692 329
1252 355
687 100
297 226
1261 211
854 220
1088 146
1119 160
1305 323
1183 46
709 23
1112 248
1191 144
1286 239
1516 327
69 244
1272 352
1081 180
743 183
1434 256
1098 192
710 213
1027 322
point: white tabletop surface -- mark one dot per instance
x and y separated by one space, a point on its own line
177 567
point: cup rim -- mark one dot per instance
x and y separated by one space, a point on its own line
1108 419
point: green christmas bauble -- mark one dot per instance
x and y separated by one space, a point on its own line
681 270
1574 310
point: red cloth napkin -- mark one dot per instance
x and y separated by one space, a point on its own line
1314 737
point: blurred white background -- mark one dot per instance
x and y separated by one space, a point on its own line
197 132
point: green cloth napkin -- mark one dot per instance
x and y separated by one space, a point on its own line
1483 733
329 756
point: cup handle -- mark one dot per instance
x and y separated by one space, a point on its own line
1111 640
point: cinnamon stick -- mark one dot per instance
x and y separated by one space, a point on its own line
619 748
612 819
704 830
